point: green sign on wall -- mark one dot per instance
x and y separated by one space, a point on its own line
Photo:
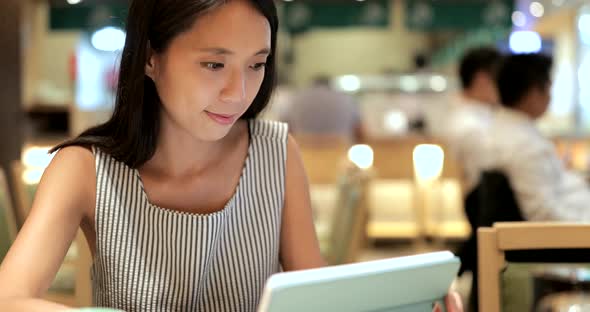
300 16
432 15
87 17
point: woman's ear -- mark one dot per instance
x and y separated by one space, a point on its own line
150 64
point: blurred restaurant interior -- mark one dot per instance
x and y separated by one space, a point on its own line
396 191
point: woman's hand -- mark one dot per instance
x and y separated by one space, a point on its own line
453 303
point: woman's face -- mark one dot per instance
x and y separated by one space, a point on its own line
209 75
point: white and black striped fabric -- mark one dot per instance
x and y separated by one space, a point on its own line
149 258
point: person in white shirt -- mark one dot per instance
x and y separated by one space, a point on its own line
322 111
543 188
464 125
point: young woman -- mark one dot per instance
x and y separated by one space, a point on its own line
186 200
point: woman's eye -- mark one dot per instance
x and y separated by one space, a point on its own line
258 66
212 65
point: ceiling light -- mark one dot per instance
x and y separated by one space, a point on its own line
518 19
537 9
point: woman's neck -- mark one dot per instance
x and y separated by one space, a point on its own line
179 154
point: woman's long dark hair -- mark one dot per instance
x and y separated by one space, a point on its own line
131 134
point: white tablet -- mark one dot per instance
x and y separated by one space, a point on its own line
405 284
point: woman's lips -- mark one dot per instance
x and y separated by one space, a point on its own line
223 119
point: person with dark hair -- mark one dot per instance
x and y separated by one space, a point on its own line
464 128
187 201
544 190
524 82
477 71
467 119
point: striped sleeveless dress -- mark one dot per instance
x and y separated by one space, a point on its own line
152 259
